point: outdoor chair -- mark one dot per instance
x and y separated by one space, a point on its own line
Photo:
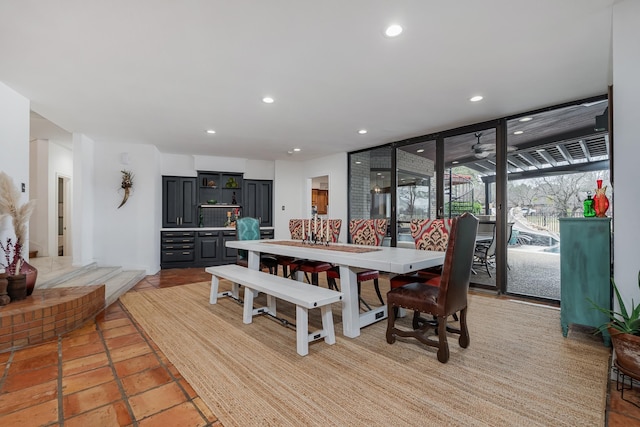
369 232
485 252
441 296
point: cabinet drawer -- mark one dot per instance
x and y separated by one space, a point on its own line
178 255
266 234
208 233
178 240
177 246
177 234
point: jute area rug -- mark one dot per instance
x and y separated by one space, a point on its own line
518 370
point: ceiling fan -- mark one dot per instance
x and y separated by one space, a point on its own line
483 150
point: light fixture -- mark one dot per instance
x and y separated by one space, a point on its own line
525 119
376 188
267 100
393 30
421 150
211 131
455 162
297 150
475 98
362 131
518 132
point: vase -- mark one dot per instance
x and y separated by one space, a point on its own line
4 283
588 204
31 273
17 287
600 200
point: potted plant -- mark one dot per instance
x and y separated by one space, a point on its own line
14 264
624 329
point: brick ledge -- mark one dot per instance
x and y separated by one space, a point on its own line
48 313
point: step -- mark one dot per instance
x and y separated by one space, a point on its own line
53 274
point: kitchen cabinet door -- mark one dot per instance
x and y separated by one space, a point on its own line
179 202
258 195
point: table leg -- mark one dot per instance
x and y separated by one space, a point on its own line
254 260
350 303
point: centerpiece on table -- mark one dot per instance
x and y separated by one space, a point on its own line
16 268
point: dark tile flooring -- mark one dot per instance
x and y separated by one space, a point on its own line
109 373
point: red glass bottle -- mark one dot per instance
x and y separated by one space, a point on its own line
600 200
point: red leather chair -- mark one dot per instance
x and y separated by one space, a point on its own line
369 232
447 298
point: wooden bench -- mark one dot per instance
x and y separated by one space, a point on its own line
304 296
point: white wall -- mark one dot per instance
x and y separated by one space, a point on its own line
626 137
292 189
39 190
14 147
128 236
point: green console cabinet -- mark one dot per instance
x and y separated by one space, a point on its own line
585 271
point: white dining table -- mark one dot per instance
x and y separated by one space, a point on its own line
381 258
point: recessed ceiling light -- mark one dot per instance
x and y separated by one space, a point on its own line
267 100
358 162
393 30
518 132
297 149
362 131
420 150
475 98
211 131
525 119
455 162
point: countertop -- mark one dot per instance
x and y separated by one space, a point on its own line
207 229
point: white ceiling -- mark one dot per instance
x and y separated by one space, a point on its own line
162 72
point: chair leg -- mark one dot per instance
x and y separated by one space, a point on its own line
486 264
391 321
377 288
332 284
464 331
443 345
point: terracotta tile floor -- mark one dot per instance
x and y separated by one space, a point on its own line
109 373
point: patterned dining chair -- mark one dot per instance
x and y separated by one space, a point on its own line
290 263
368 232
315 267
428 235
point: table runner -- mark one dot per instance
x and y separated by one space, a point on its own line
331 247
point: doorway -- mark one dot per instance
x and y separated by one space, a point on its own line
62 216
320 195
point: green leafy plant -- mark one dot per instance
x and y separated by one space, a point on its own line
627 320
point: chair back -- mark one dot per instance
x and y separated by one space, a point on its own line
296 229
247 228
430 234
369 232
334 229
456 271
491 250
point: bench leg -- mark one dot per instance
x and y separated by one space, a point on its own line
213 296
302 330
327 324
247 315
271 305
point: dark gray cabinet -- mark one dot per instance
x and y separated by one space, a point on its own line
179 205
177 248
258 196
208 245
